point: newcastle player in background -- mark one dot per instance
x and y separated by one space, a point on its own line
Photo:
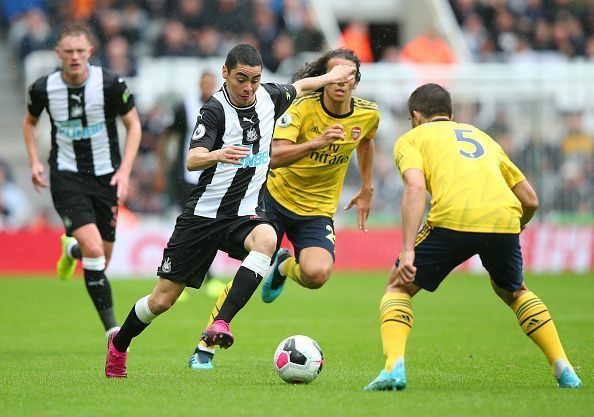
87 174
230 148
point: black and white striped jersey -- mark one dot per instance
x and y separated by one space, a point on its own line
228 189
83 119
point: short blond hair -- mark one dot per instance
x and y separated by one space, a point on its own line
74 29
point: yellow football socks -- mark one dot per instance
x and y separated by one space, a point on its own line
291 269
216 308
396 320
536 322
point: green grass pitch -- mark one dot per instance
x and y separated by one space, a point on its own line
466 355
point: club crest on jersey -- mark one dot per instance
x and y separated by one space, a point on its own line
198 132
285 120
356 133
76 111
251 135
166 267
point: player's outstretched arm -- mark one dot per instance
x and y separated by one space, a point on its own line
29 134
529 200
338 74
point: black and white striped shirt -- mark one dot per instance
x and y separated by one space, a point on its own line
228 189
83 119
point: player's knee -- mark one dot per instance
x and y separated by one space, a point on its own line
316 278
160 303
92 250
265 241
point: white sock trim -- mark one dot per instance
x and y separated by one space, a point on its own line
94 264
108 332
257 262
143 311
558 366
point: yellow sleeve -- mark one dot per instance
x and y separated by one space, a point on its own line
288 125
373 129
407 155
510 172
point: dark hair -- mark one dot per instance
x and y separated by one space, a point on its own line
320 65
430 100
243 54
74 29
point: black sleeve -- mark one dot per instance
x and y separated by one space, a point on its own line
282 96
117 93
37 97
210 126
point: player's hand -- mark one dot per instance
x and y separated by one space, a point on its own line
331 134
342 74
406 270
37 176
233 154
363 202
121 179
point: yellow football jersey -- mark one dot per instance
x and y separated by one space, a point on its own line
468 175
311 186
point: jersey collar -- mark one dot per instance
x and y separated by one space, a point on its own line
337 116
226 95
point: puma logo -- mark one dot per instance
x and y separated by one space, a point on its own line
245 119
76 97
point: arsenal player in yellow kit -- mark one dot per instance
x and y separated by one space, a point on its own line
480 202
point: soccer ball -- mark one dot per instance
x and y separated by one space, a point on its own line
298 360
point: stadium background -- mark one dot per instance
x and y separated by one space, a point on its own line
522 70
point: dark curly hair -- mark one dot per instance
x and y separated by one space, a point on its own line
320 65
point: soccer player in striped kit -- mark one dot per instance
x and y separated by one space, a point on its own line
88 176
230 147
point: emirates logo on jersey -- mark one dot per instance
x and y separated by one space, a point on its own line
356 133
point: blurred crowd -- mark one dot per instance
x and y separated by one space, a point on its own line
527 30
560 167
128 29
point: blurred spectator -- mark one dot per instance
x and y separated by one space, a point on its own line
117 57
182 181
575 192
134 21
281 59
229 18
16 211
475 34
174 40
108 24
38 33
81 10
355 36
390 54
193 14
556 29
308 37
428 48
208 42
577 144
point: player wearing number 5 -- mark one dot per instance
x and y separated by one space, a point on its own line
480 201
